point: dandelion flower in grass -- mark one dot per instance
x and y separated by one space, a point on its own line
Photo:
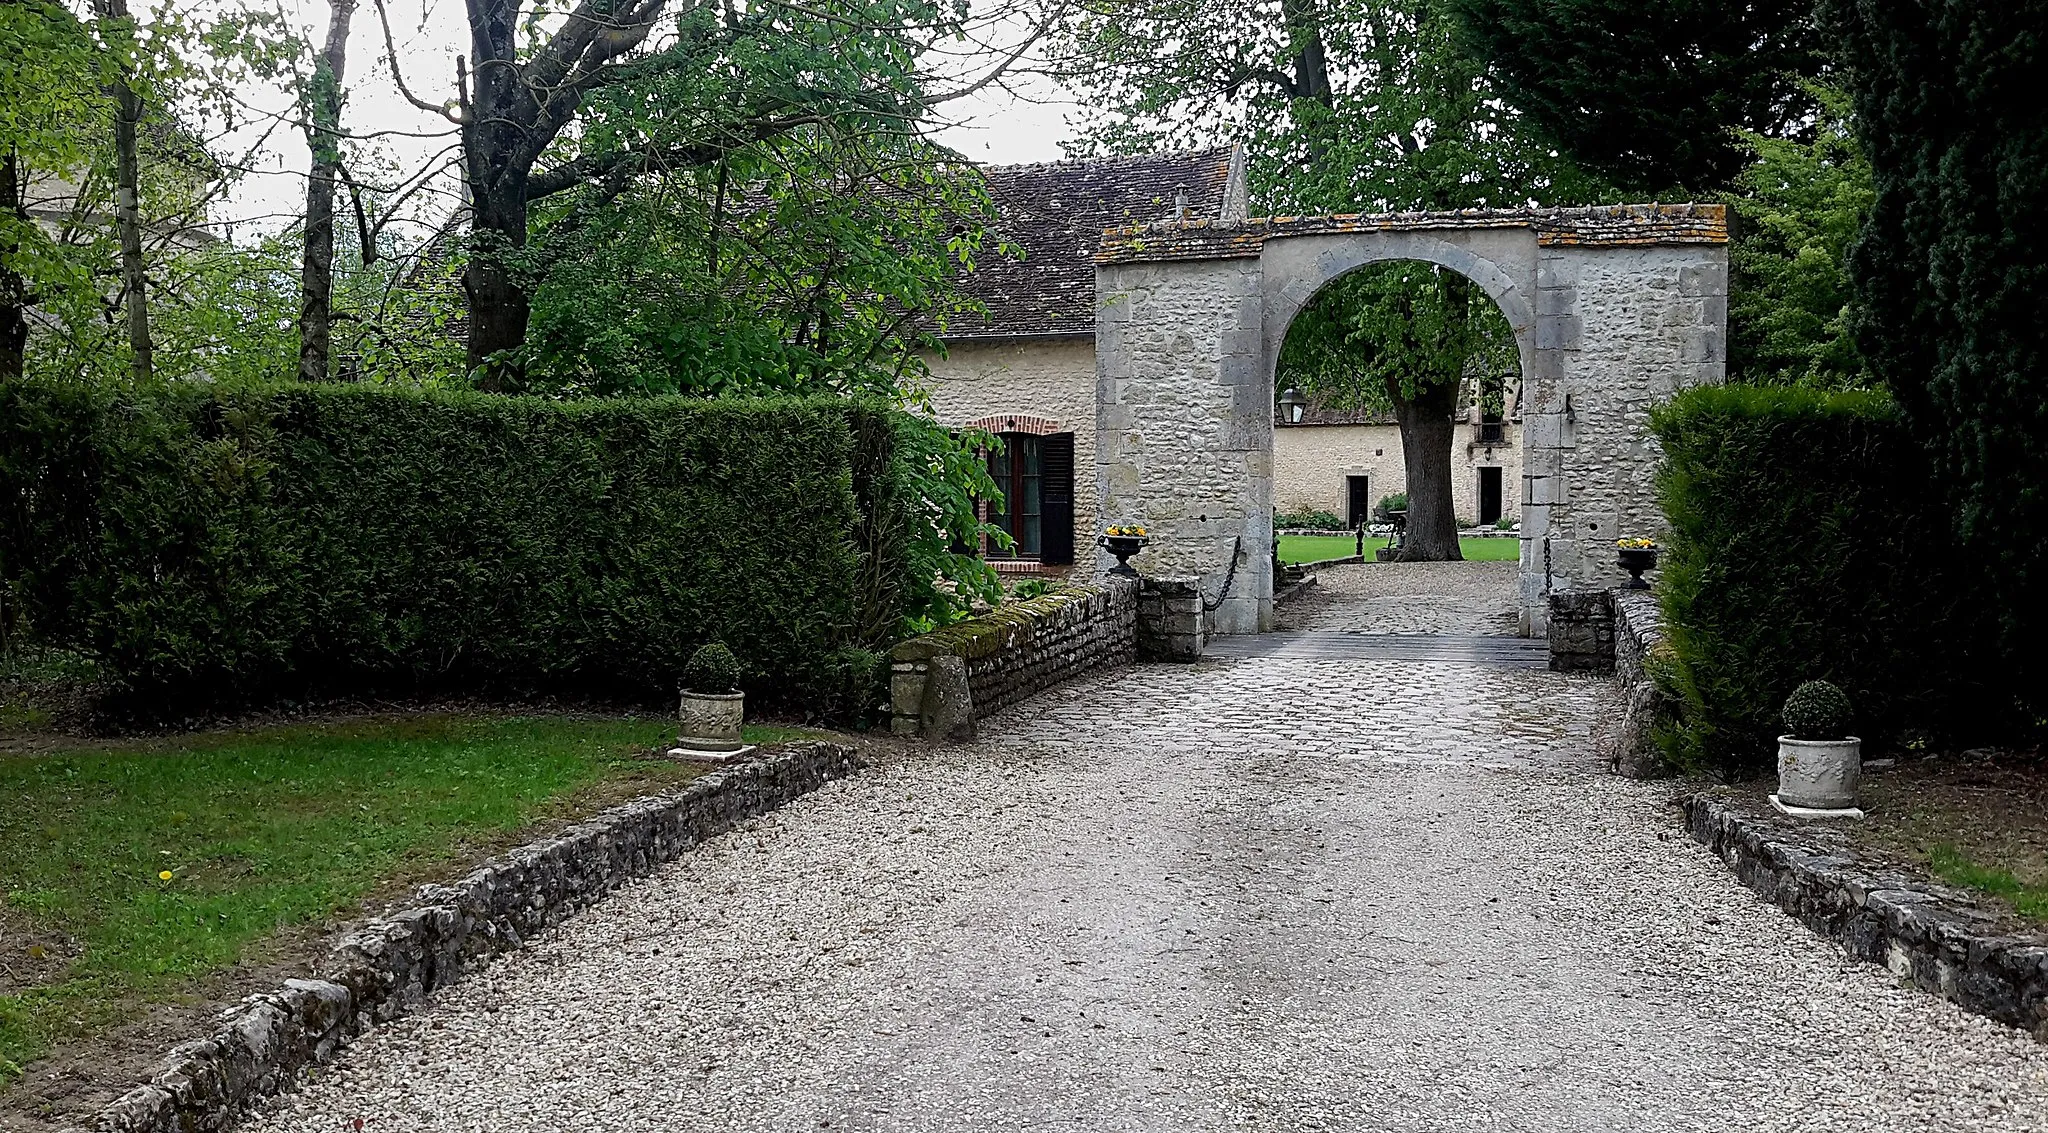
163 875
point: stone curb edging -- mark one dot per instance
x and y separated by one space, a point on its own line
1937 944
384 967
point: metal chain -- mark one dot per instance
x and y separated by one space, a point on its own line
1230 576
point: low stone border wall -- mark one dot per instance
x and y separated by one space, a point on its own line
1938 943
1638 636
1172 619
941 682
1582 631
383 968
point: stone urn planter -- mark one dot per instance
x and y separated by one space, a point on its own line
1123 542
1636 556
711 721
1819 763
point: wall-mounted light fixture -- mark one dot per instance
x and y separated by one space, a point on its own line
1292 405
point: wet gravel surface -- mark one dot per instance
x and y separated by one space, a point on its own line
1144 902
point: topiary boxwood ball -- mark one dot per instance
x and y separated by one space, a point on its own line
1817 710
712 670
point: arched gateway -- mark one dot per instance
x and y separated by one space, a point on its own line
1614 309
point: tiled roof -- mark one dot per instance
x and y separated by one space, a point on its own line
1057 211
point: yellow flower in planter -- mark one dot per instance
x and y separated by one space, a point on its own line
1636 544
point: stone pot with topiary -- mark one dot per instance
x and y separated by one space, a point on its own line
1819 762
713 706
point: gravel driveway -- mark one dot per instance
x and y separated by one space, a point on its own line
1149 900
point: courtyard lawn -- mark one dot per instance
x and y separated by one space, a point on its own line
134 870
1312 548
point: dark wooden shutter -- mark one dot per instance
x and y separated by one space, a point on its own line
1056 500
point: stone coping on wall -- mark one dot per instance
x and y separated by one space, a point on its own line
941 682
1937 939
382 968
1598 226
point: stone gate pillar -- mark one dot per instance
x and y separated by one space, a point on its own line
1184 428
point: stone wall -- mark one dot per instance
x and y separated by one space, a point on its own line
1620 328
941 682
1311 464
1040 377
1638 638
1931 938
1171 620
1613 310
384 968
1581 631
1184 427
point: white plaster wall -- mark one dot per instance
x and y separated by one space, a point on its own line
1043 377
1311 462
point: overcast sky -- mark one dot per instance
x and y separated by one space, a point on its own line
994 125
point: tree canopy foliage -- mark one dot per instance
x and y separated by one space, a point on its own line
1341 108
1648 94
1796 209
1949 271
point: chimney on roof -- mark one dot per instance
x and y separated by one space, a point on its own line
1180 203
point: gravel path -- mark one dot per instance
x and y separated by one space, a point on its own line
1408 598
1144 902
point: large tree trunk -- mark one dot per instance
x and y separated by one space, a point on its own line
323 135
128 203
14 296
1427 430
498 302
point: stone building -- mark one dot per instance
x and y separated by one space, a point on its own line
1027 370
1345 463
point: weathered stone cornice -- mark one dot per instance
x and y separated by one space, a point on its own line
1600 226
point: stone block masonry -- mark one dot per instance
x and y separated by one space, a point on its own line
1171 620
1017 650
1638 640
1613 309
383 968
1928 938
1582 631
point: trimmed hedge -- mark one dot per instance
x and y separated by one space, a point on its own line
1807 543
216 548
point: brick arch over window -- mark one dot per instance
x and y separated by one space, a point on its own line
1016 423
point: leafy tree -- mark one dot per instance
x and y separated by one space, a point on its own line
1408 337
52 75
1796 209
1360 108
1949 272
1649 94
810 261
716 80
321 102
109 185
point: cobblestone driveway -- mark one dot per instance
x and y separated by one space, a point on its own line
1261 893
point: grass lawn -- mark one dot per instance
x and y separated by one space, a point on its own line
1955 867
134 870
1310 548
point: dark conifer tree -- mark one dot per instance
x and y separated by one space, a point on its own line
1648 93
1951 270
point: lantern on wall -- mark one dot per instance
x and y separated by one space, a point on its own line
1292 406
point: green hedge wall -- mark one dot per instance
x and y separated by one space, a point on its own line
1806 542
219 548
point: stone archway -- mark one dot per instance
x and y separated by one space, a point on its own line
1614 309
